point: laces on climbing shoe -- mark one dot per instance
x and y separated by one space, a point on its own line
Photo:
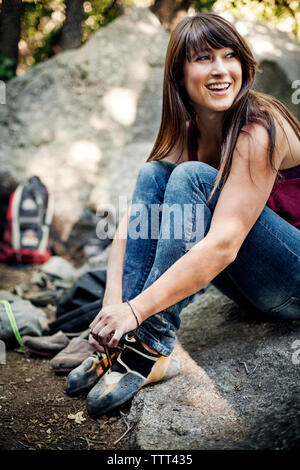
97 355
111 357
108 356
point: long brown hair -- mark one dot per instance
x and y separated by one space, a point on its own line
191 35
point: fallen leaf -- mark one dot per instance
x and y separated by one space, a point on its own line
77 417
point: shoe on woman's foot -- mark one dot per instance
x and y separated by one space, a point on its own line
135 367
87 374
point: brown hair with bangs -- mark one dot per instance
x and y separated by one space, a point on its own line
192 35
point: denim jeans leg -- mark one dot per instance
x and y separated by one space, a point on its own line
141 246
267 268
185 200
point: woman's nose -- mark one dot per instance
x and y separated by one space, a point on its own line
218 67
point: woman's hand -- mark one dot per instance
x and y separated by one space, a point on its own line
111 323
95 344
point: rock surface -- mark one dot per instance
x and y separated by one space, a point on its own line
238 386
277 54
86 119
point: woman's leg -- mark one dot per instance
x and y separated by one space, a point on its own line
265 274
267 268
147 198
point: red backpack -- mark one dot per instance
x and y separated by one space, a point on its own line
28 219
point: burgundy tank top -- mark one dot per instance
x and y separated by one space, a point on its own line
285 195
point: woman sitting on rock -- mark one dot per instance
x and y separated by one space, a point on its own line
226 165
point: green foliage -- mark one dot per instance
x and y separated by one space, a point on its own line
42 22
98 13
283 14
203 5
7 68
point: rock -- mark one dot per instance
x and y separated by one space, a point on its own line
277 54
76 119
214 403
86 119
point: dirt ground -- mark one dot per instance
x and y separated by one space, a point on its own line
35 410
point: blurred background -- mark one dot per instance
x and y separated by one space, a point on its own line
31 31
83 92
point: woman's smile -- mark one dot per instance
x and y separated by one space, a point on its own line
219 88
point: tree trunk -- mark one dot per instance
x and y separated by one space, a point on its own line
71 33
10 29
169 12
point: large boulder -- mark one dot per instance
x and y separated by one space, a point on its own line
85 120
277 54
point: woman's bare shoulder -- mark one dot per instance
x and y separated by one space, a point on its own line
287 143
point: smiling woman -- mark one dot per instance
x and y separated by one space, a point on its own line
211 73
231 155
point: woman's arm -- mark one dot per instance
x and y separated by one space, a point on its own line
240 203
114 274
115 264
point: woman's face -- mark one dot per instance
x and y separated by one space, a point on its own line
213 79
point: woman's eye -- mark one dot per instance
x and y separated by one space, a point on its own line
202 57
232 54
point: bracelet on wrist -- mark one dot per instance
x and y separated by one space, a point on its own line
134 313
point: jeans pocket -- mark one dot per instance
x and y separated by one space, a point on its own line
290 309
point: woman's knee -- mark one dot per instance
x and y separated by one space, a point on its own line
193 175
199 171
155 172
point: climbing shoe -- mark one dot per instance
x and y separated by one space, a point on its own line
72 356
134 368
87 374
47 346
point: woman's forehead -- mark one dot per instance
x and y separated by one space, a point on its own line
198 38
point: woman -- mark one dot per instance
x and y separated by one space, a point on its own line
231 155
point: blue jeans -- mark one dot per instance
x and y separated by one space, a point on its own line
264 275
